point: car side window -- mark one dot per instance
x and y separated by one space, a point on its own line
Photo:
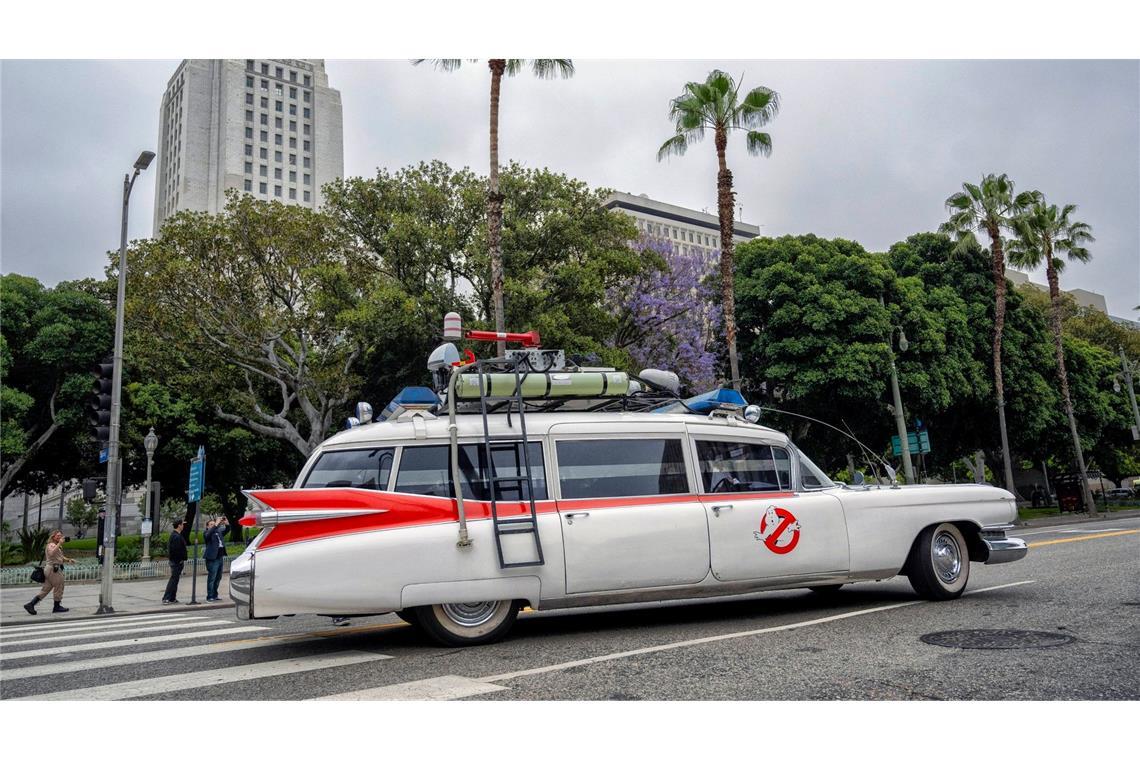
591 469
424 470
735 466
356 468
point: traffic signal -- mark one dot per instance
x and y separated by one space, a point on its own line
99 408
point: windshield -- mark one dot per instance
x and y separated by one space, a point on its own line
812 477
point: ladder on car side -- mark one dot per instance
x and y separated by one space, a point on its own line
514 524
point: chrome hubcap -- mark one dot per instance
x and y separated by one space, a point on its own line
946 557
471 614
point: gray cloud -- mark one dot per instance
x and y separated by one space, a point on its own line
865 150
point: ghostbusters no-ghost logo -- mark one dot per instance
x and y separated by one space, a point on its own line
779 530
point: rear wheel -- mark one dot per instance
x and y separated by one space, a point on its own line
467 623
939 563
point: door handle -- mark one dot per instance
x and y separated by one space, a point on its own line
716 510
571 515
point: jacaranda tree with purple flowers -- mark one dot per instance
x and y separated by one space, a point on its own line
669 317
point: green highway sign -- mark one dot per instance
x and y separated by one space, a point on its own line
919 443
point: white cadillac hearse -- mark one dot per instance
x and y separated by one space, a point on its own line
531 481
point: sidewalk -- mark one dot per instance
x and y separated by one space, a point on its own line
127 597
1069 519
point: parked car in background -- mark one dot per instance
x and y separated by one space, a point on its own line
1120 494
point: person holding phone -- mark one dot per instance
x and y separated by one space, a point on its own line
215 554
53 574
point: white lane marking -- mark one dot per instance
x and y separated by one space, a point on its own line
202 650
125 643
135 629
722 637
30 631
203 678
442 688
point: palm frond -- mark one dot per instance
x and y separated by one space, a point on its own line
758 108
549 68
443 64
760 144
675 145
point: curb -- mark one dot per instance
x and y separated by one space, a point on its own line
34 619
1045 522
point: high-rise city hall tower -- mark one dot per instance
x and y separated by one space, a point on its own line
271 128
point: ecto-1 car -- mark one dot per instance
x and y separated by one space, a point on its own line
532 481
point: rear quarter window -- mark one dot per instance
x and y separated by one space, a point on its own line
357 468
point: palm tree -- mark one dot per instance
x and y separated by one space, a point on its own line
1044 232
716 105
543 68
990 206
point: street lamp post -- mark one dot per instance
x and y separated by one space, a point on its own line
150 443
1126 376
114 464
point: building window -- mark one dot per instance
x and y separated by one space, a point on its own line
292 159
277 139
277 190
249 150
306 196
278 89
277 156
277 122
308 113
306 162
265 85
264 170
264 136
248 65
249 115
307 96
277 173
249 81
277 106
307 182
248 185
292 193
263 188
292 142
306 145
292 176
293 92
308 80
265 119
306 129
249 99
264 153
292 109
292 76
249 167
249 132
280 73
265 102
292 126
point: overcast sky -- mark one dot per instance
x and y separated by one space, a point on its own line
861 150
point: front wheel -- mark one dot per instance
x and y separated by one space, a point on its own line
468 623
939 563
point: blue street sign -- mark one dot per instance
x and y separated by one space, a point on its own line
103 454
197 475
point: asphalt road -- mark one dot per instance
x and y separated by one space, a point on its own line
1079 581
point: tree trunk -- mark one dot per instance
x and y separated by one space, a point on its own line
725 199
999 326
495 203
1063 376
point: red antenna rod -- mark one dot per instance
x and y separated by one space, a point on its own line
527 339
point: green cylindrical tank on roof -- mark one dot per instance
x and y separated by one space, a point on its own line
545 385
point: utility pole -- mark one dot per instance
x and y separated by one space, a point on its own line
114 464
1127 367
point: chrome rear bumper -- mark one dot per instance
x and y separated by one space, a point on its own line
1000 547
241 586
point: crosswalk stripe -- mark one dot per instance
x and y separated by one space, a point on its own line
31 631
138 641
202 650
138 628
85 621
183 681
442 688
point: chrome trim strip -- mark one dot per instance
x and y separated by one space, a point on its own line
271 517
1002 550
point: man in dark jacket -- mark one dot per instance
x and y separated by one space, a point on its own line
214 554
176 553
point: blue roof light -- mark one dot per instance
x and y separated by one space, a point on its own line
412 397
706 402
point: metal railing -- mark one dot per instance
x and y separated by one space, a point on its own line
123 571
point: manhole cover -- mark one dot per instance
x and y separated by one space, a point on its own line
996 639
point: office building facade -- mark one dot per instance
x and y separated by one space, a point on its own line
691 232
272 128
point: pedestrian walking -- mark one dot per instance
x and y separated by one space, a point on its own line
53 574
176 554
215 554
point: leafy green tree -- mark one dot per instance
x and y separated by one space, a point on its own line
1043 233
715 105
990 206
81 515
49 339
250 307
543 68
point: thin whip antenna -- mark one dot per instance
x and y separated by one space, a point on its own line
833 427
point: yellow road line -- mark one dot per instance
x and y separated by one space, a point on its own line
1083 538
